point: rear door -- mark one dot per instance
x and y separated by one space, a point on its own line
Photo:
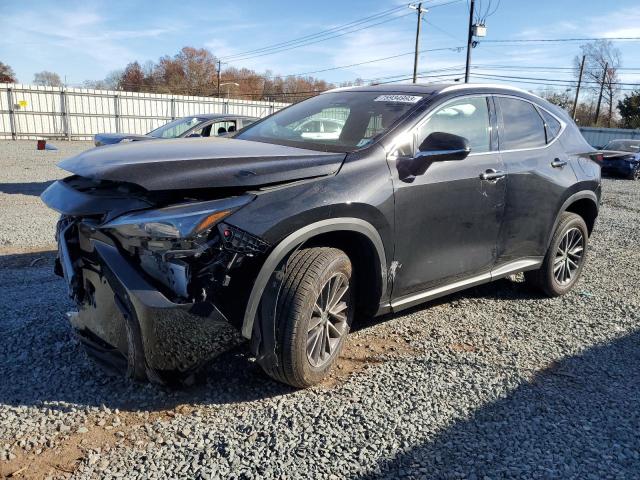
538 176
449 218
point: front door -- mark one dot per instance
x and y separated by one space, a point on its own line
448 220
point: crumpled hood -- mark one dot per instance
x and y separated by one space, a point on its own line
178 164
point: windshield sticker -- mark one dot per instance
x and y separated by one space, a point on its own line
398 98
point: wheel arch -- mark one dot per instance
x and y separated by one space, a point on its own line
347 232
583 203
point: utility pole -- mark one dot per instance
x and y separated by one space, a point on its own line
415 55
604 78
575 102
469 41
219 68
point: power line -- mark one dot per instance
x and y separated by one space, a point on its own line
557 40
284 49
554 80
321 33
375 60
326 34
540 81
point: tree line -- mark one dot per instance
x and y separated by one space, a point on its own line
194 71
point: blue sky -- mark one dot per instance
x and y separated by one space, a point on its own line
87 39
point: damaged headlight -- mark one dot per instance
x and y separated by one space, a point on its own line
176 222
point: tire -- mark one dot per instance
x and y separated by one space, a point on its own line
310 339
635 174
564 259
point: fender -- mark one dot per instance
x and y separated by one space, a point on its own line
591 195
296 238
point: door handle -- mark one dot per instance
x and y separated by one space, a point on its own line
557 163
492 175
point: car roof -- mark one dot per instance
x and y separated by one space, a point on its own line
434 88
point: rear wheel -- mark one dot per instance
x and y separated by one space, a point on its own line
314 315
564 259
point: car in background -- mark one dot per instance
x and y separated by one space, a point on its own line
320 128
621 158
209 125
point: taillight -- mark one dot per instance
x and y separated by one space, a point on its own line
597 157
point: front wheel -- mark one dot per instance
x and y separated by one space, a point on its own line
313 316
564 259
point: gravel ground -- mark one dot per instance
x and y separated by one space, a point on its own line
494 382
24 174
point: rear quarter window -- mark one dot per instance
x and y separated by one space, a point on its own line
552 126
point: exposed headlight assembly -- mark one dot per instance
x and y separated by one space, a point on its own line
177 222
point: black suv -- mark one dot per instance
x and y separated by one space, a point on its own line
174 250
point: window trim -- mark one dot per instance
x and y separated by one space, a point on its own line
413 130
563 124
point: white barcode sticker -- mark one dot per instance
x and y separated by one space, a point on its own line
398 98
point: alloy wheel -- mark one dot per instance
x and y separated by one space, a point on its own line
568 256
328 323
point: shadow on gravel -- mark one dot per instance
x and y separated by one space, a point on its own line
577 419
27 188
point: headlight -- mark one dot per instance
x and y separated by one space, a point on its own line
183 221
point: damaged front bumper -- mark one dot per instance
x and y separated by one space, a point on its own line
123 311
159 314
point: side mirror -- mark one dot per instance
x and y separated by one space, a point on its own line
438 147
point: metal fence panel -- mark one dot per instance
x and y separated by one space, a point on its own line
598 137
32 111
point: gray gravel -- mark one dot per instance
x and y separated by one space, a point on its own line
24 173
494 382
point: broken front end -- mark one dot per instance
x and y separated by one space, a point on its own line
160 289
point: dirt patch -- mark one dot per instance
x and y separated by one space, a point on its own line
462 347
98 434
363 351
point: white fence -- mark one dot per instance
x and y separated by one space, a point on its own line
31 111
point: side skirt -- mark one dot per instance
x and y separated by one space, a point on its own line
498 272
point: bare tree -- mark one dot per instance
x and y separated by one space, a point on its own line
6 74
599 55
110 82
47 79
560 98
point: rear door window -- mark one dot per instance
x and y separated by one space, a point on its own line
522 125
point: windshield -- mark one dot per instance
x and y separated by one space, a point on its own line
339 121
176 128
623 145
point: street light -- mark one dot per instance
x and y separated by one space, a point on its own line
229 83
